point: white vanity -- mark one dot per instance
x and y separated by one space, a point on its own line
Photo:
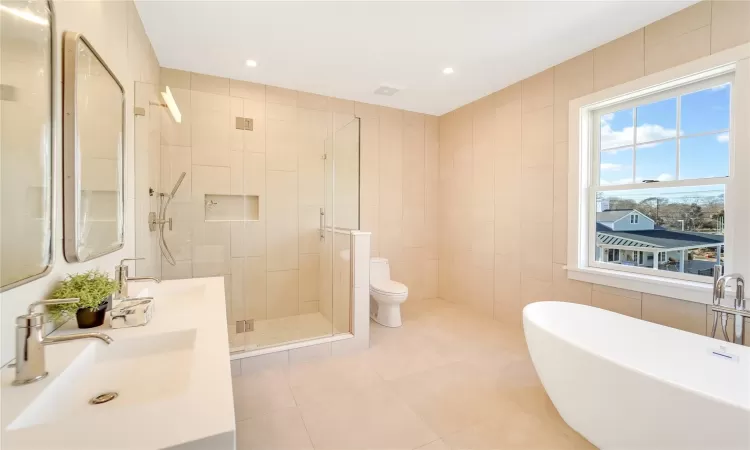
172 379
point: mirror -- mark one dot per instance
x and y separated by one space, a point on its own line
93 149
26 141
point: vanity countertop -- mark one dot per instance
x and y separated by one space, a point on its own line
172 377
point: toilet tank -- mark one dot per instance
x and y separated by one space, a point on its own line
380 269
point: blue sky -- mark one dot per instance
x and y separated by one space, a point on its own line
700 156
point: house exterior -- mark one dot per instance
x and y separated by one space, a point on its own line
629 237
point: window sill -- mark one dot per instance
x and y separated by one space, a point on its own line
666 287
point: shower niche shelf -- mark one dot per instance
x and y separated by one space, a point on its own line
231 208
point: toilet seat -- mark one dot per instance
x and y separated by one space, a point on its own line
388 287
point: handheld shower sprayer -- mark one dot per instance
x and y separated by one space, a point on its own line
161 219
177 185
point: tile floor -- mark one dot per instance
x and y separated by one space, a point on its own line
447 379
283 330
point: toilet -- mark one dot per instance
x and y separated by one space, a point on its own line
386 295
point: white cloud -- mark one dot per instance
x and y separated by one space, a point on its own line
722 138
720 87
611 166
665 177
646 133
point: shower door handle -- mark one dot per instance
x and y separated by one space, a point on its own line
322 224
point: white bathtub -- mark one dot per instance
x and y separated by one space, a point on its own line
625 383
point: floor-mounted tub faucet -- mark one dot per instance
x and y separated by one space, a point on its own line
739 311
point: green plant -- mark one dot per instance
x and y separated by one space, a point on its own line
92 288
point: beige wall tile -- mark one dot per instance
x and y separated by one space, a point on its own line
729 24
309 276
312 101
560 232
210 129
537 186
209 84
255 140
534 290
254 287
617 291
430 278
366 110
683 21
281 96
623 305
210 180
281 218
538 91
281 142
619 61
537 138
247 90
507 289
482 292
687 316
567 290
574 78
211 249
664 54
175 79
282 293
340 106
536 258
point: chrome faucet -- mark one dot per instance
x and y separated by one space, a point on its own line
122 278
740 311
30 342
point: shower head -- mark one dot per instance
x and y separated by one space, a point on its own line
177 185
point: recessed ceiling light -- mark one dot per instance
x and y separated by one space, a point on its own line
251 63
448 70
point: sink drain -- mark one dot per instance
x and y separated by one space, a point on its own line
103 398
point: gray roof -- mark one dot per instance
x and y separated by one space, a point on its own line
612 215
659 238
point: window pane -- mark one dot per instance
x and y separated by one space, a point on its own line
679 229
657 121
656 162
617 129
616 167
706 110
704 156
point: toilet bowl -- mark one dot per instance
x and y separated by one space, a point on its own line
386 295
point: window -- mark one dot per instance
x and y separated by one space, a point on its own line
657 177
678 139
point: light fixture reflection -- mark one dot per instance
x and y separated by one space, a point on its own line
171 105
25 15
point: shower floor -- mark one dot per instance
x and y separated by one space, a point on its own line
283 330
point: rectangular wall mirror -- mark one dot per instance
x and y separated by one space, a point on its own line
93 149
26 141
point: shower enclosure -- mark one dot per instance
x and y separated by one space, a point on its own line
258 185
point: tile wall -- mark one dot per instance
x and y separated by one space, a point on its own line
273 267
503 174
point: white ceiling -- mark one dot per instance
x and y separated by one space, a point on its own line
347 50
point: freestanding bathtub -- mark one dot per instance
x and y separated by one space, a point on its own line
625 383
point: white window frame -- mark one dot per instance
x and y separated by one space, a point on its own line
581 211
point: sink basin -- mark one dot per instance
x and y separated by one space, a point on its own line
140 370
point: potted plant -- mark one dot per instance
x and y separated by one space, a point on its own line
93 288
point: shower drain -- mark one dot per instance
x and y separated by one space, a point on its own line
103 398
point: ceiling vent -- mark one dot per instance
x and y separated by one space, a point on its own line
386 90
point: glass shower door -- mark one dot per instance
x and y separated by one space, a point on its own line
342 215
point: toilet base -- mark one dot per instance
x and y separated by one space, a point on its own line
386 315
